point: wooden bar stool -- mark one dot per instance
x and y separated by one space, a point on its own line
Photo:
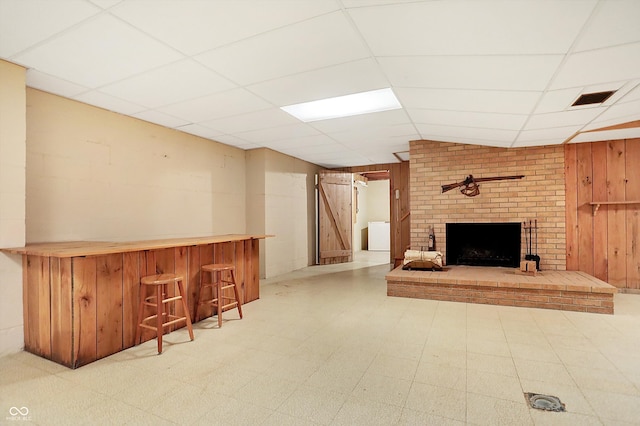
162 317
218 284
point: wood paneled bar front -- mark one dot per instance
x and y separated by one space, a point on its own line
80 299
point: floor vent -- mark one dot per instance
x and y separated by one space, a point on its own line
544 402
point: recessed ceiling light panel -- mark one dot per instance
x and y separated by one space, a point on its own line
345 106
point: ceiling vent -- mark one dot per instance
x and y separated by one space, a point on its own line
593 98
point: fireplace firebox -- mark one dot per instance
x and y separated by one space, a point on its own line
483 244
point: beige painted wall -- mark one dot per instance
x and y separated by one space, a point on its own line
289 213
378 201
97 175
12 203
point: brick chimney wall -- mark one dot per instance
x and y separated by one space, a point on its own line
539 195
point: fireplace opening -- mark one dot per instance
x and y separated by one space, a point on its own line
483 244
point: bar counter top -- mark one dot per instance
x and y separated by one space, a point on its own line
97 248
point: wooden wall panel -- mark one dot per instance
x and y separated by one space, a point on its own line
632 161
84 320
613 230
616 229
130 297
193 276
585 216
61 318
571 206
601 220
109 293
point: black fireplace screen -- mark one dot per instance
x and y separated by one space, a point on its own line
483 244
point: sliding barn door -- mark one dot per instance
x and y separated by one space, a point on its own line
334 217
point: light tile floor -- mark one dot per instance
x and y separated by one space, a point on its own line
326 346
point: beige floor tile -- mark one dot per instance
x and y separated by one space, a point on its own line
420 418
388 390
444 356
357 411
485 410
225 380
442 375
231 412
481 345
491 364
393 366
280 419
548 418
612 407
314 405
438 401
494 385
543 371
602 380
534 352
266 391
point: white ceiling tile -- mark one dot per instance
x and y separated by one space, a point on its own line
612 64
471 119
109 102
97 52
263 119
614 22
472 28
373 120
608 135
289 50
621 112
160 118
198 130
428 131
514 102
632 95
48 83
578 117
179 81
197 25
557 100
317 144
537 142
105 4
558 134
217 105
472 72
343 79
235 141
45 18
262 136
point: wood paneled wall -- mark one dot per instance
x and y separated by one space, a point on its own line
605 244
400 214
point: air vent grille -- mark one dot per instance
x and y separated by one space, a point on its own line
593 98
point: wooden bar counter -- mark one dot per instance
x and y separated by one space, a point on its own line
80 299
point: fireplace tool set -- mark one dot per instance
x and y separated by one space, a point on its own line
528 229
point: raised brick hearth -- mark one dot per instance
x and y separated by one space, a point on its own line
561 290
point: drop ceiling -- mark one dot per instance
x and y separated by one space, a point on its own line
495 73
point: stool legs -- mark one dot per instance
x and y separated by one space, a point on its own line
162 316
218 284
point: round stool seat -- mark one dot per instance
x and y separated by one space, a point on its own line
160 279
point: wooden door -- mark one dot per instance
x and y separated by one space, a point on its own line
335 226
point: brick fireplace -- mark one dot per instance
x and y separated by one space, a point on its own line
540 195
